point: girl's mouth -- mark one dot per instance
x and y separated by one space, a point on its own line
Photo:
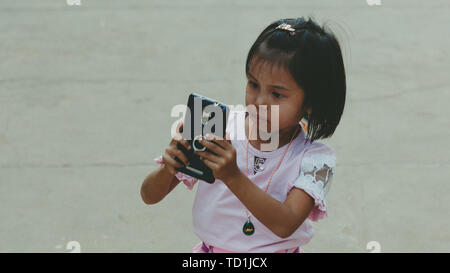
259 118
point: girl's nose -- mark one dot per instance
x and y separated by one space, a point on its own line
261 100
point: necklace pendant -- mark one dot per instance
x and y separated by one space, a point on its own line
248 228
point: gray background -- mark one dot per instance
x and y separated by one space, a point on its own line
85 99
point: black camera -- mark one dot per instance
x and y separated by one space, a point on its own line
203 116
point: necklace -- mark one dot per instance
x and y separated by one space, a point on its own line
248 227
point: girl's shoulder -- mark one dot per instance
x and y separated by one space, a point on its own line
319 147
304 147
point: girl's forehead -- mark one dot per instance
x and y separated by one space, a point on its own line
269 71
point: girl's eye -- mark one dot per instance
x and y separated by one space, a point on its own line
277 95
253 84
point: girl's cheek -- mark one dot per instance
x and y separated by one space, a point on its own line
248 98
284 116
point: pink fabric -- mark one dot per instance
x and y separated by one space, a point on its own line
202 247
218 216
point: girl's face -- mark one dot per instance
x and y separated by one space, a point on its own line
271 85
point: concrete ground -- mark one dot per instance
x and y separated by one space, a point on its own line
85 99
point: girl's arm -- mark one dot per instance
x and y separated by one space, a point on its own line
157 185
281 218
162 181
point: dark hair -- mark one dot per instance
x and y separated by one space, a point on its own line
313 57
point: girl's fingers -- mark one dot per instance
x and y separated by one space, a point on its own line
216 148
175 152
185 143
178 131
180 126
224 143
211 157
209 163
178 137
171 161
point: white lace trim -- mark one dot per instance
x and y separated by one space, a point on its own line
317 160
316 175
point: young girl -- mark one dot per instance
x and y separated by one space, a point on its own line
264 200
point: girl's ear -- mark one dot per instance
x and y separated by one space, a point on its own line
307 113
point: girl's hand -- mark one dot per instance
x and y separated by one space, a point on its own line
172 153
222 160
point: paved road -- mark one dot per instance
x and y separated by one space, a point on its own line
85 99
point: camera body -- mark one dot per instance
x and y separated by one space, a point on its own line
203 116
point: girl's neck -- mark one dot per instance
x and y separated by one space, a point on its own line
284 135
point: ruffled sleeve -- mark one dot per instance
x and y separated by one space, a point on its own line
188 180
316 174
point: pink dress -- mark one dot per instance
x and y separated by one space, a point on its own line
218 215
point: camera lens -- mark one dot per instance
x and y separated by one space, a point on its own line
196 144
